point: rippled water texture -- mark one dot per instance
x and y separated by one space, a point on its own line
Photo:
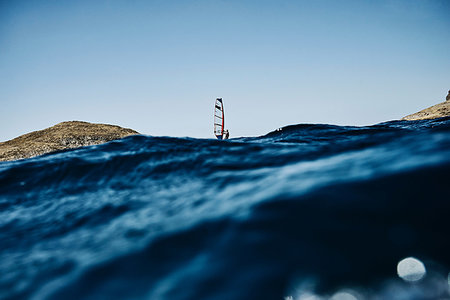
308 210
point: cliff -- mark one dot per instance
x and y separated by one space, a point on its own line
65 135
436 111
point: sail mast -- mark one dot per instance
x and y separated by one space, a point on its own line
223 118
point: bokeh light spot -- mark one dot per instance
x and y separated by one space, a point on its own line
343 296
308 296
411 269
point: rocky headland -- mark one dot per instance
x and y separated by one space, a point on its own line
436 111
65 135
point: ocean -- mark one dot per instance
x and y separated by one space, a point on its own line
304 212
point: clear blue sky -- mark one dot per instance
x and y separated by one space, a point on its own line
157 66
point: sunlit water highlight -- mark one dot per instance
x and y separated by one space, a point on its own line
308 212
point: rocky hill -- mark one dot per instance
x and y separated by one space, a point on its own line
436 111
62 136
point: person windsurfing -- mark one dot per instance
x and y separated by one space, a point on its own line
219 121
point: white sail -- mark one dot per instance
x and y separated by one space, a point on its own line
219 118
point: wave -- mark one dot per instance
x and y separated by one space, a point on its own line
181 218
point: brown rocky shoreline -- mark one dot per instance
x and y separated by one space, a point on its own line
436 111
65 135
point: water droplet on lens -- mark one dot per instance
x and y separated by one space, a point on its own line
411 269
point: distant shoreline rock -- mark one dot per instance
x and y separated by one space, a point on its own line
65 135
436 111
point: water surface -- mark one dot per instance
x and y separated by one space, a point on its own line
316 210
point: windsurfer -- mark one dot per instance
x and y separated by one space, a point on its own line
219 121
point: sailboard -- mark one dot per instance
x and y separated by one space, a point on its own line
219 118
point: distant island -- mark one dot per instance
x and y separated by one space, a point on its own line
436 111
65 135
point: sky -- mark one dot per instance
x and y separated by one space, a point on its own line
157 66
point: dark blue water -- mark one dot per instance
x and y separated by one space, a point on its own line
308 210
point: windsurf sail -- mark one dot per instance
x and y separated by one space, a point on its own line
219 118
